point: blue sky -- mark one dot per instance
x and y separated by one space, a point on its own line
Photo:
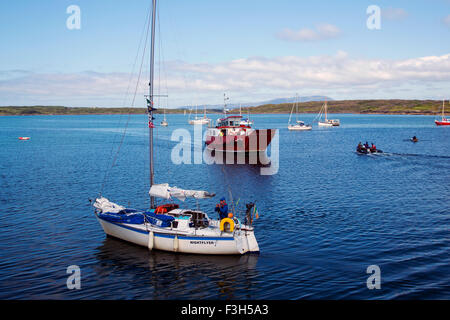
253 50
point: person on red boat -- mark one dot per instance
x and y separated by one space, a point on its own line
373 147
222 209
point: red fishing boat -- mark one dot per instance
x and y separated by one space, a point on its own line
24 138
444 121
230 135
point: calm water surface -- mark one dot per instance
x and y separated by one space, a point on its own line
324 217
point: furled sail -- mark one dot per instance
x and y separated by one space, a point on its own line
166 192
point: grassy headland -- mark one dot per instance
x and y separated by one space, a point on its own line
335 106
357 106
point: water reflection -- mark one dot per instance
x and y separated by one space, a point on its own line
165 275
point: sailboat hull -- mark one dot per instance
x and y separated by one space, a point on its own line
299 128
199 121
442 123
228 244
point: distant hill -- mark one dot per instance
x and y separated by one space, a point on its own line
219 107
292 100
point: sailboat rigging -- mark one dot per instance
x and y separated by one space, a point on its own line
166 226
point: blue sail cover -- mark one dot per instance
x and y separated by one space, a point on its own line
135 217
160 220
123 217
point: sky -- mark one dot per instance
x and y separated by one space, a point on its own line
252 50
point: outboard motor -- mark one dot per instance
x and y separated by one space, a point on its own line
248 213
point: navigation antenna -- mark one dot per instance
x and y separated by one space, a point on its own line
225 98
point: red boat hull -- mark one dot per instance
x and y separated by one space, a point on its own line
442 123
256 141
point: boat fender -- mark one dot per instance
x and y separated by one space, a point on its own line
150 240
175 244
227 222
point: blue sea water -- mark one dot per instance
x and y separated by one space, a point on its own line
325 216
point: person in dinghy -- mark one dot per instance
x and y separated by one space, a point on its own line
366 148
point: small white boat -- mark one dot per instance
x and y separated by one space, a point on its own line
164 122
326 122
245 121
199 120
299 125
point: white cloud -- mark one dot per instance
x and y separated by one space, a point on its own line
322 32
249 79
394 13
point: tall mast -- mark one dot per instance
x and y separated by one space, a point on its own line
150 106
225 98
443 103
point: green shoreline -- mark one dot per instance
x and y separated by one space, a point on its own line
388 107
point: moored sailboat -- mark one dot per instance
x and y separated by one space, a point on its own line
164 122
199 120
299 125
326 122
167 227
444 121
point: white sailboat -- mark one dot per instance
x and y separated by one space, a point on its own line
299 125
164 123
327 122
199 120
245 121
166 226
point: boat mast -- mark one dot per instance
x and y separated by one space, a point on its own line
443 103
150 106
225 98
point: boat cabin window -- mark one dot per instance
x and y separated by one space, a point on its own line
230 122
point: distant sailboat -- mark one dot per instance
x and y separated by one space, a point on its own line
326 122
245 121
299 125
164 123
444 121
198 120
